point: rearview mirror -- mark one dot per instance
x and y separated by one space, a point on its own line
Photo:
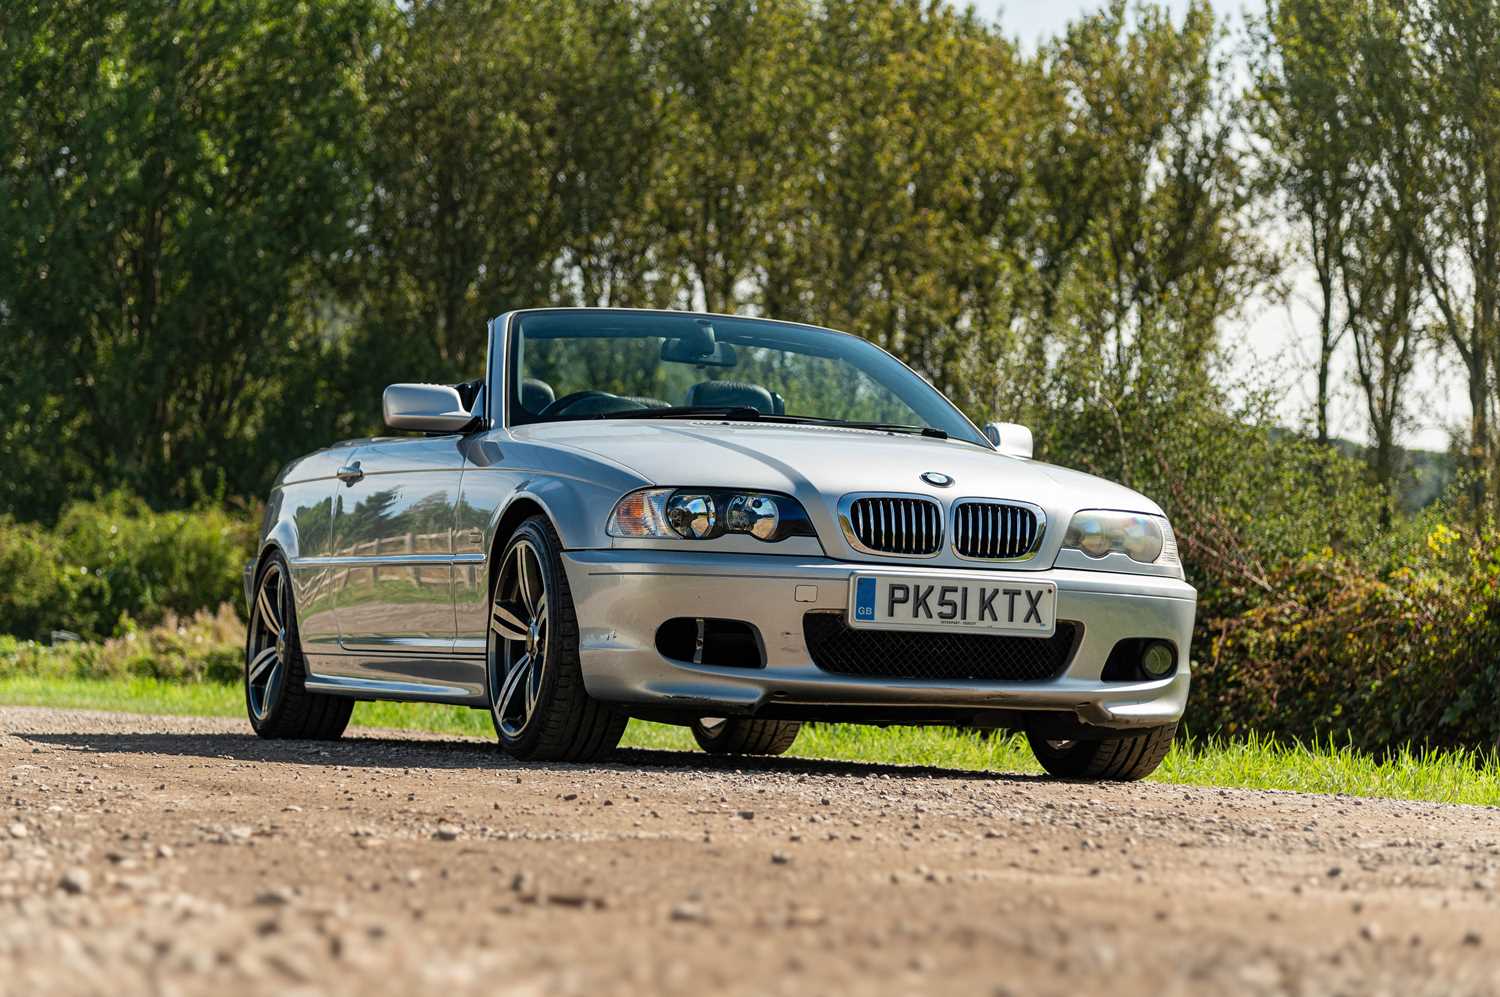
683 351
1009 438
427 408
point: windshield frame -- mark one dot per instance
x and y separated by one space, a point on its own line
516 416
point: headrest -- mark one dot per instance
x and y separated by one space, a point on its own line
731 394
536 395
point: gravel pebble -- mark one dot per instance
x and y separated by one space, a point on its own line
908 879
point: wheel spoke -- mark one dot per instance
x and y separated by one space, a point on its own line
531 579
266 615
513 679
533 683
523 584
515 574
273 686
507 621
260 663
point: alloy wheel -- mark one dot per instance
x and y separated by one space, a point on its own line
518 648
265 664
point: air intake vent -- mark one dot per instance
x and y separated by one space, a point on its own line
837 647
908 527
995 531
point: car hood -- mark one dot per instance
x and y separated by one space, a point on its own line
817 462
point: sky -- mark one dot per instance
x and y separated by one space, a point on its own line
1273 340
1033 20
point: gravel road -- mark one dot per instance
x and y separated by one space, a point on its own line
174 855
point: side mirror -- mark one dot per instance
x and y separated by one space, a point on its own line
1009 438
427 408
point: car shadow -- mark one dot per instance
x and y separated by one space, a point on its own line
375 751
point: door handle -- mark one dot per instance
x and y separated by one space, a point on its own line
350 473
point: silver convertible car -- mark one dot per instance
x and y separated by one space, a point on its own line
730 523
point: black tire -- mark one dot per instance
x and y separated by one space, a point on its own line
562 722
277 701
1121 759
739 736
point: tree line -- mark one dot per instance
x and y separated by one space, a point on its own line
225 227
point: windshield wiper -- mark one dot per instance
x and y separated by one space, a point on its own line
743 413
884 427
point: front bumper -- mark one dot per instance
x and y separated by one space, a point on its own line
623 596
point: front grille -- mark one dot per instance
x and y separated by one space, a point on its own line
895 525
906 654
994 531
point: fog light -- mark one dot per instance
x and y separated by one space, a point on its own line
1158 660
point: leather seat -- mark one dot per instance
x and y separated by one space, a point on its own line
536 395
734 394
603 404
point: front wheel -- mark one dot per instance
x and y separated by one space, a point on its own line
1120 759
539 706
739 736
276 698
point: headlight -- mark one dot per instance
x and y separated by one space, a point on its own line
692 516
1142 538
706 514
757 515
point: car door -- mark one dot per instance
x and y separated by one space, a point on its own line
393 537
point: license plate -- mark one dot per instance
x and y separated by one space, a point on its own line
965 603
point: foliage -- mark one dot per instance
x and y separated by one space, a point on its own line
1400 647
113 561
206 647
195 280
172 179
39 584
224 228
1347 151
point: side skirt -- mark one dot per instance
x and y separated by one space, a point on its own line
406 688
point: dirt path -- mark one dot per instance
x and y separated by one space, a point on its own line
184 856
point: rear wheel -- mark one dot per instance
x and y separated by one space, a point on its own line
739 736
275 671
538 703
1123 759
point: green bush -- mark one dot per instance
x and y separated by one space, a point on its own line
206 647
39 585
114 560
1376 652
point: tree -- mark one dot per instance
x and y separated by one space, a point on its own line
1150 241
1305 77
173 181
1459 45
737 71
896 227
459 224
611 114
1381 272
1343 144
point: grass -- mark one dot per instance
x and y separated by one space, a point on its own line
1456 776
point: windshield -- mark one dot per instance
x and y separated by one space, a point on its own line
585 364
